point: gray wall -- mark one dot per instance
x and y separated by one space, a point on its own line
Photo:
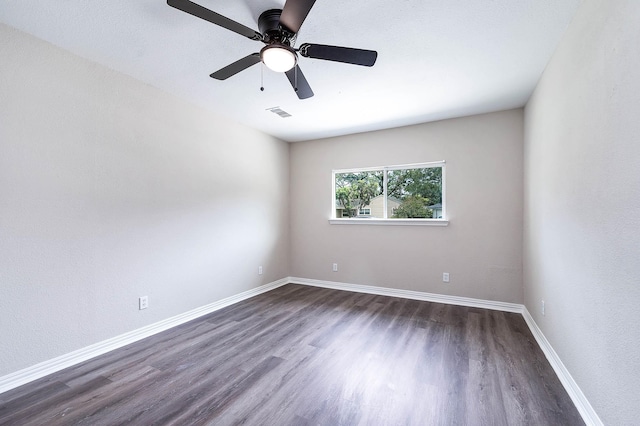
482 246
111 189
582 206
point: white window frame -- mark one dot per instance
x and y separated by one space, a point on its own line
388 221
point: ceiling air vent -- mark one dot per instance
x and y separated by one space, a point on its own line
281 113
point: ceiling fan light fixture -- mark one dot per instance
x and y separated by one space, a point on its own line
278 57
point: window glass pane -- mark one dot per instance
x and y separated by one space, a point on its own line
359 194
415 193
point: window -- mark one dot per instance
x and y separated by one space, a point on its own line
411 192
354 191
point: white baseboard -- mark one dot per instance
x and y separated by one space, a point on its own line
42 369
585 409
415 295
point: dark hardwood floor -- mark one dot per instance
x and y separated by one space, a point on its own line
301 355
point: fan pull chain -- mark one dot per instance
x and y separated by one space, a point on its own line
295 78
261 76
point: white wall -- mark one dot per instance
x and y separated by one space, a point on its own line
582 205
109 190
482 246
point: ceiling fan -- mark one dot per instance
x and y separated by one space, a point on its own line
278 30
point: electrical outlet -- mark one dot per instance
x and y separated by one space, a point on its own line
335 267
542 307
445 277
259 270
143 302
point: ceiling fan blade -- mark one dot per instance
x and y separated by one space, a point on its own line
294 13
236 67
299 83
213 17
347 55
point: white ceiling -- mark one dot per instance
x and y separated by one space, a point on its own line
436 59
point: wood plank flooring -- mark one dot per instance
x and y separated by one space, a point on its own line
301 355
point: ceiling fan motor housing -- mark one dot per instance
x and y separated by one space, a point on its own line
272 31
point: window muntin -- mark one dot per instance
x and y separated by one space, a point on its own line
412 191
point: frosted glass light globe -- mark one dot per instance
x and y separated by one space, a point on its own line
278 58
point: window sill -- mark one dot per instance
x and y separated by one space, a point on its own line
401 222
